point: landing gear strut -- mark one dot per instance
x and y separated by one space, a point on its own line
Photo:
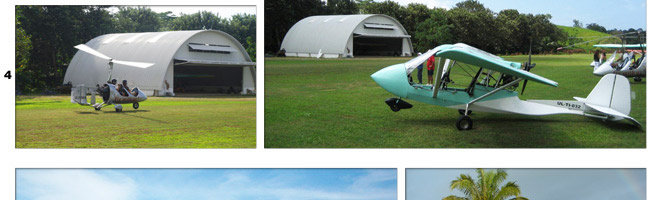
461 111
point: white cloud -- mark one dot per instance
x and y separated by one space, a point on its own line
72 184
364 187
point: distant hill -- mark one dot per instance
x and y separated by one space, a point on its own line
582 35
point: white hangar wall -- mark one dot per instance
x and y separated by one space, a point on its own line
335 36
166 50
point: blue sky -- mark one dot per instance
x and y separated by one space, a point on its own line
182 184
620 14
538 184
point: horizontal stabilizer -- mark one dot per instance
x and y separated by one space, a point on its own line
579 99
613 113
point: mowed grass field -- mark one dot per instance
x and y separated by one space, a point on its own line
160 122
333 103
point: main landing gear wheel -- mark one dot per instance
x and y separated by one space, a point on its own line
461 111
136 105
118 107
97 108
464 123
637 79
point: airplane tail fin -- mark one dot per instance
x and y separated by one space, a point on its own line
611 98
613 91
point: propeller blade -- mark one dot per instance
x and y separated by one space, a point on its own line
524 86
133 64
89 50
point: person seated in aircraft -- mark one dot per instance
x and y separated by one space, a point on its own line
126 88
618 63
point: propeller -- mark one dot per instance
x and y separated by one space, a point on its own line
528 66
89 50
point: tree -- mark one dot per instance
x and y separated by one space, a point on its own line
596 27
140 19
197 21
341 7
22 48
433 31
474 25
577 24
489 186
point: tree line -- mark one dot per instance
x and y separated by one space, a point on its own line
45 35
633 39
505 32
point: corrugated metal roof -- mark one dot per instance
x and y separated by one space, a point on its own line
331 33
151 47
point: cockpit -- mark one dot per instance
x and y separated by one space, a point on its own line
453 76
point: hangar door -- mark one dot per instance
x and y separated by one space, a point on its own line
207 78
377 45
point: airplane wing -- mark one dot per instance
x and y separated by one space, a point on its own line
470 55
619 46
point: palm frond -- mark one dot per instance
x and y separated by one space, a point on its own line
453 197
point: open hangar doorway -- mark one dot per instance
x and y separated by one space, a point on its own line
377 46
208 79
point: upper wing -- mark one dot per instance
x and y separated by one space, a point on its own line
473 56
618 46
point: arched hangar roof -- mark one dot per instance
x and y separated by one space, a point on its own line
331 33
160 48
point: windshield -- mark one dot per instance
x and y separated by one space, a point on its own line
413 63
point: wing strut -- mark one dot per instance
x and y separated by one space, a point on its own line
466 110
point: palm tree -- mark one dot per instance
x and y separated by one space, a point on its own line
488 187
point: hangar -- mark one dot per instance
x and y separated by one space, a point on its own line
338 36
201 61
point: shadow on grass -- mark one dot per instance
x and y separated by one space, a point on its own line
128 112
622 125
211 95
31 103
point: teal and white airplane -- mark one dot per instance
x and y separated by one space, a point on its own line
492 87
628 66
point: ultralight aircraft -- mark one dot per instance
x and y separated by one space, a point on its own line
627 66
492 88
110 92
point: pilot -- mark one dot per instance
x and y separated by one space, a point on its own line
126 88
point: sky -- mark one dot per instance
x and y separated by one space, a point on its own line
184 184
620 14
223 11
538 184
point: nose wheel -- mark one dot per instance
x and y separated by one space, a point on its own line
464 123
396 104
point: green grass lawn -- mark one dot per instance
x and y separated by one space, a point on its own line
160 122
333 103
585 35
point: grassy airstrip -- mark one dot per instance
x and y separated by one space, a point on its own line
160 122
333 103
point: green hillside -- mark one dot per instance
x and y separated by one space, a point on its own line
579 35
